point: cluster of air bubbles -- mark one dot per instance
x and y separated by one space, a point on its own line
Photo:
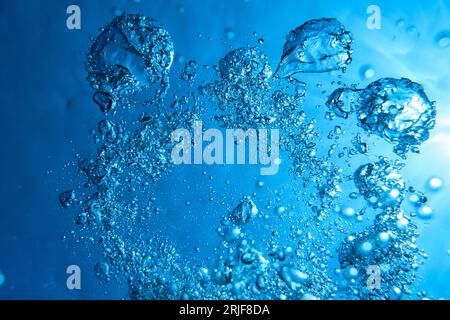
389 246
416 198
397 110
189 72
131 54
423 210
293 277
381 183
244 63
229 34
319 45
134 53
243 90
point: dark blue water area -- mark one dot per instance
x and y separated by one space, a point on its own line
47 113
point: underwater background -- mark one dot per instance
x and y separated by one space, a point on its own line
156 231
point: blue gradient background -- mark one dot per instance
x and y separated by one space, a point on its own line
47 112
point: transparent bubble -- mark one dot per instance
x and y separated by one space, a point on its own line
107 130
67 198
102 271
129 55
383 238
366 72
425 212
400 22
242 96
229 34
105 101
319 45
245 210
442 39
435 184
397 110
308 296
365 248
281 210
352 272
348 212
402 223
411 30
343 102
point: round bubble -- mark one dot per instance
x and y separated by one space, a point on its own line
366 72
442 39
425 212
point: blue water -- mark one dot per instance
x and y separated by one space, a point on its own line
352 190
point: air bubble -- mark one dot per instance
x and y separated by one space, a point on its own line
229 34
366 72
435 184
130 54
319 45
425 212
400 23
67 198
442 39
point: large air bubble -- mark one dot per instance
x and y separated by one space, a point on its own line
130 54
397 110
319 45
